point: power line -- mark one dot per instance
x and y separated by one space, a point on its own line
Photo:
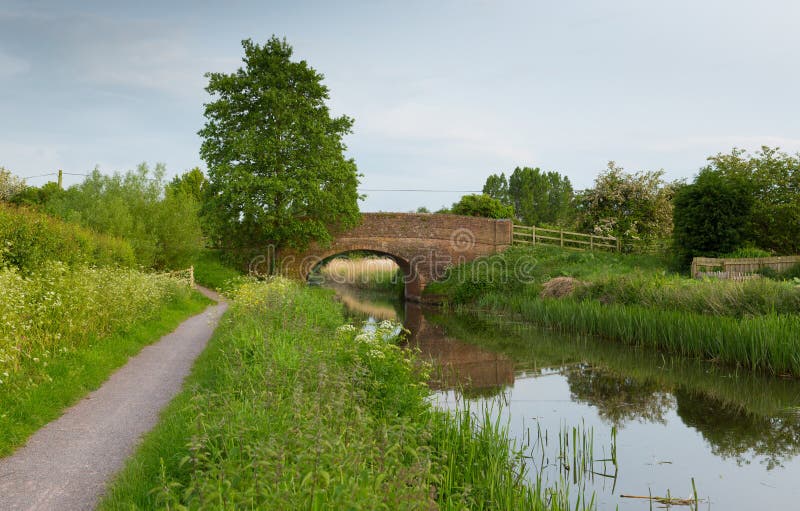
417 190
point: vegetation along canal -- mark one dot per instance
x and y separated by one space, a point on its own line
602 418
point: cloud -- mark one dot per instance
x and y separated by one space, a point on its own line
12 66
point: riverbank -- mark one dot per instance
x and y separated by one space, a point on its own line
290 408
635 300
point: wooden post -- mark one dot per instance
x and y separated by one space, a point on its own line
562 239
191 276
533 235
591 242
619 245
60 179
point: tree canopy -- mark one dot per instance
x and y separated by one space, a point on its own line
538 197
740 200
277 170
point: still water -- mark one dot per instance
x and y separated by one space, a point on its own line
737 436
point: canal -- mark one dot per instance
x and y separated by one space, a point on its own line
598 418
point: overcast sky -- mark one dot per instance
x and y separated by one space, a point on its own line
443 93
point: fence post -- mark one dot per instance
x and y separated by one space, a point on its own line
619 245
591 242
562 239
533 235
191 276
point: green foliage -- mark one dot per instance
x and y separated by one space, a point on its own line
712 216
163 227
10 185
481 205
771 179
192 183
275 156
294 410
28 239
636 208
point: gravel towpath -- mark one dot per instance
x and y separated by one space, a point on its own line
67 464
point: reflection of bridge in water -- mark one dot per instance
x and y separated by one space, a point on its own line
458 364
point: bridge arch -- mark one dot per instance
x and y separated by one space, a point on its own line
424 245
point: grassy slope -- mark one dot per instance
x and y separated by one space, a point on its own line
633 299
67 377
286 411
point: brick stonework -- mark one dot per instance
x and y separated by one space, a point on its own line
423 245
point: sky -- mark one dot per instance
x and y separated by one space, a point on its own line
443 93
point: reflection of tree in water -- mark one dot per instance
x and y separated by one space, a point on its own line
735 434
618 398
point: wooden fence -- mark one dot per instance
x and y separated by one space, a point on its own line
740 269
532 235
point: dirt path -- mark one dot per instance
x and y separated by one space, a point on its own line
67 463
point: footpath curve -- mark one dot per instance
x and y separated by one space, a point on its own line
68 462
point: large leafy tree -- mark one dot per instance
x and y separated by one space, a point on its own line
711 216
739 200
275 156
538 197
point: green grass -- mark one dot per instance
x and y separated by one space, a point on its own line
45 387
211 272
287 409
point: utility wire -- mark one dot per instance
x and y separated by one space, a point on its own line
417 190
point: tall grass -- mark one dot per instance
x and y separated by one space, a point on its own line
367 273
289 408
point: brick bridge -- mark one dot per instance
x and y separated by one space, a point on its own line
423 245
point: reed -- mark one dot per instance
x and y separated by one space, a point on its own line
769 343
364 273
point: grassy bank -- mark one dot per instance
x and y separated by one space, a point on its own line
633 299
367 273
39 380
28 239
210 271
288 408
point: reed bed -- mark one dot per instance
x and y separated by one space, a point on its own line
292 408
769 343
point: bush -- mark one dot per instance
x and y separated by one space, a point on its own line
28 239
482 205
